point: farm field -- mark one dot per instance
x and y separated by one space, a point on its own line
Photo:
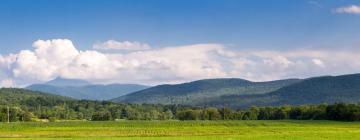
182 130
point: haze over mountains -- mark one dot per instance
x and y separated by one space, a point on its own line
80 89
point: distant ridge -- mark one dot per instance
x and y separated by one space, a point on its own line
317 90
202 90
80 89
61 82
239 93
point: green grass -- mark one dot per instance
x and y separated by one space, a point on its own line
183 130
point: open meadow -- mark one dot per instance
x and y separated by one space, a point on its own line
183 130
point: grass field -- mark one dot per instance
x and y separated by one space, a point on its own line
183 130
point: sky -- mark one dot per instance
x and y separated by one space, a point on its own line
160 41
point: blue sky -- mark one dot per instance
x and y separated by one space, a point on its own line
173 41
275 24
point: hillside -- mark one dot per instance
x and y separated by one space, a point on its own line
12 96
327 89
90 92
199 91
238 93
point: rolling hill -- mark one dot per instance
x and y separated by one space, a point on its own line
203 90
238 93
330 89
79 89
326 89
15 96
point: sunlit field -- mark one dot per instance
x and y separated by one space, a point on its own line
183 130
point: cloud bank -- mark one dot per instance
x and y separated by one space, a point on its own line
352 9
59 57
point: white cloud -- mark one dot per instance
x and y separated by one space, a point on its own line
7 83
125 45
46 61
352 9
52 58
318 62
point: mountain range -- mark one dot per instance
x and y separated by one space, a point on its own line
194 93
239 93
228 92
80 89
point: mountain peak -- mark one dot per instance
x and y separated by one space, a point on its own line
59 81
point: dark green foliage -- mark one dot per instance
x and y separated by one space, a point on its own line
343 112
202 92
225 113
238 93
211 114
188 114
328 89
101 116
25 105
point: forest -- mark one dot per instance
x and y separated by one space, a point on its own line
25 105
107 111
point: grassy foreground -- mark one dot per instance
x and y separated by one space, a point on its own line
183 130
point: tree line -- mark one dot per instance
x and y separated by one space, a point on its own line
39 110
338 112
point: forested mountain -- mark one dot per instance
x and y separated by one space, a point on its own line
238 93
203 90
27 105
24 105
79 89
233 93
13 96
327 89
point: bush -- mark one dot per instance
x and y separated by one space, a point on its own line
101 116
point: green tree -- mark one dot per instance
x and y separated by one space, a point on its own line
211 114
225 113
101 116
188 114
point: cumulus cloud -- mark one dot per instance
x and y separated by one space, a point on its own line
46 61
352 9
125 45
59 57
166 64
